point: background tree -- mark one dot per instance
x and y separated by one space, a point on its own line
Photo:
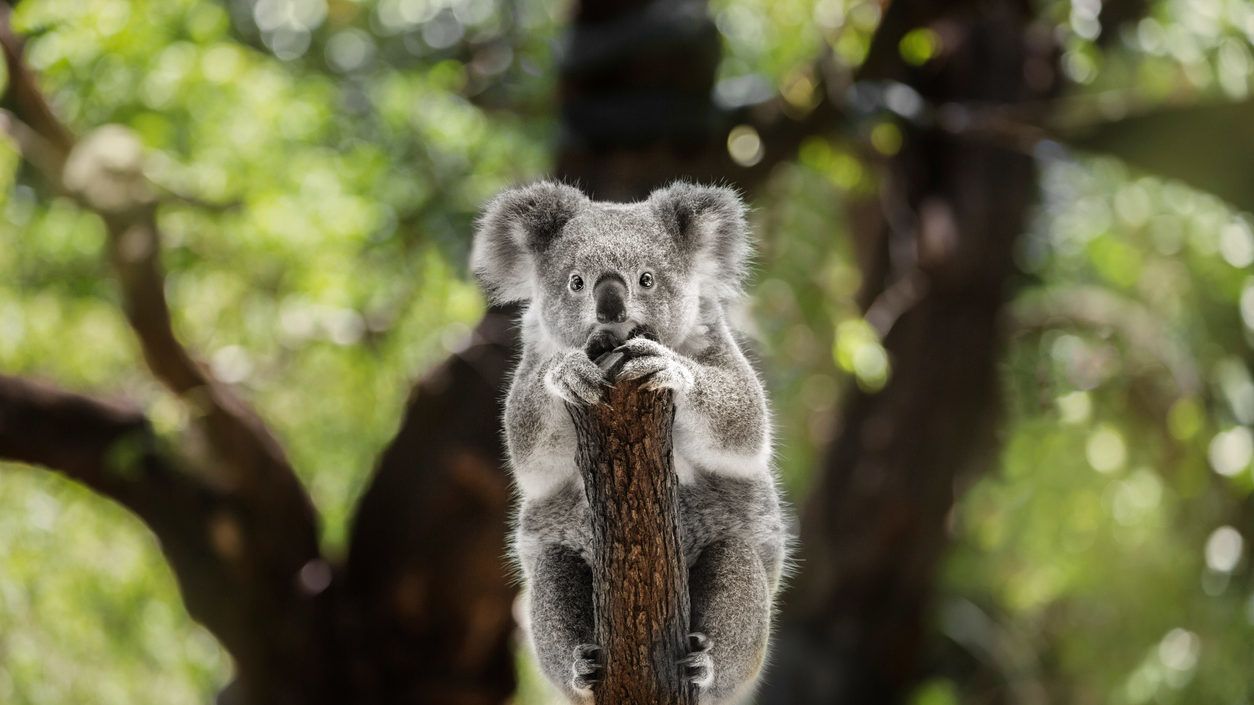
292 194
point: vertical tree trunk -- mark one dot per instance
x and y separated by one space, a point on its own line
639 577
874 531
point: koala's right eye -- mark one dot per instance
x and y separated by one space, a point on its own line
576 282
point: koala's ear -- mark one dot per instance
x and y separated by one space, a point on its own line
708 223
516 226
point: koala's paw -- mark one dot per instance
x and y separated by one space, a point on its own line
699 664
586 669
656 364
575 379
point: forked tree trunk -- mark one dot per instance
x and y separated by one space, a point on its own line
639 575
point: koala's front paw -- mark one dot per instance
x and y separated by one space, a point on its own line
586 670
576 379
657 364
699 664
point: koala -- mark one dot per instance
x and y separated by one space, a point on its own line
672 264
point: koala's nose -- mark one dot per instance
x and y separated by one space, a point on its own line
611 297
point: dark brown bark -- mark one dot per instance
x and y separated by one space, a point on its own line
428 581
639 575
237 571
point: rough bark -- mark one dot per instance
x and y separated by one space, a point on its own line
639 575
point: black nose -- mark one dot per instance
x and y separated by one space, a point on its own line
611 294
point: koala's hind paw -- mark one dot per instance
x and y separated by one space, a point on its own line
656 364
575 379
586 670
699 664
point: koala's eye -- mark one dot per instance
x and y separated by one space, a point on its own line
646 280
576 282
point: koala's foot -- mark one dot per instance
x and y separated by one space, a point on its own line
576 379
656 364
699 664
586 670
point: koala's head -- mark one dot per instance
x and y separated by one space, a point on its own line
587 265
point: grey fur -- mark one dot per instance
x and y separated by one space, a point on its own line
694 241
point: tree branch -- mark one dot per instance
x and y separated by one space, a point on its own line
25 96
258 520
231 562
104 173
1147 340
92 442
640 575
112 450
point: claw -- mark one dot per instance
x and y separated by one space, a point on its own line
698 664
698 642
587 668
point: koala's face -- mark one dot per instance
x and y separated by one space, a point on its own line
589 266
615 267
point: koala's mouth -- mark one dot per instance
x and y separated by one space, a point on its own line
619 330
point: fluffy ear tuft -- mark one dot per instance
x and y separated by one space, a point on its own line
708 223
515 226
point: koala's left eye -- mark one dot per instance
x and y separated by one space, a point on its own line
576 282
646 280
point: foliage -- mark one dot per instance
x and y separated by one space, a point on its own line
347 145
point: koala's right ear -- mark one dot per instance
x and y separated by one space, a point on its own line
516 226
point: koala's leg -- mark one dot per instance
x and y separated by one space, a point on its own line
561 621
731 607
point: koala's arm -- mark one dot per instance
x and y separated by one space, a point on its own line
720 410
538 429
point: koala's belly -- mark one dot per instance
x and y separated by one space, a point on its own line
711 507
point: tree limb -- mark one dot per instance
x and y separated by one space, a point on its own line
104 173
113 451
640 575
228 560
90 441
1148 341
24 94
258 518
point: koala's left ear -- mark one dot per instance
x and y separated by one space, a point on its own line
708 223
516 226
